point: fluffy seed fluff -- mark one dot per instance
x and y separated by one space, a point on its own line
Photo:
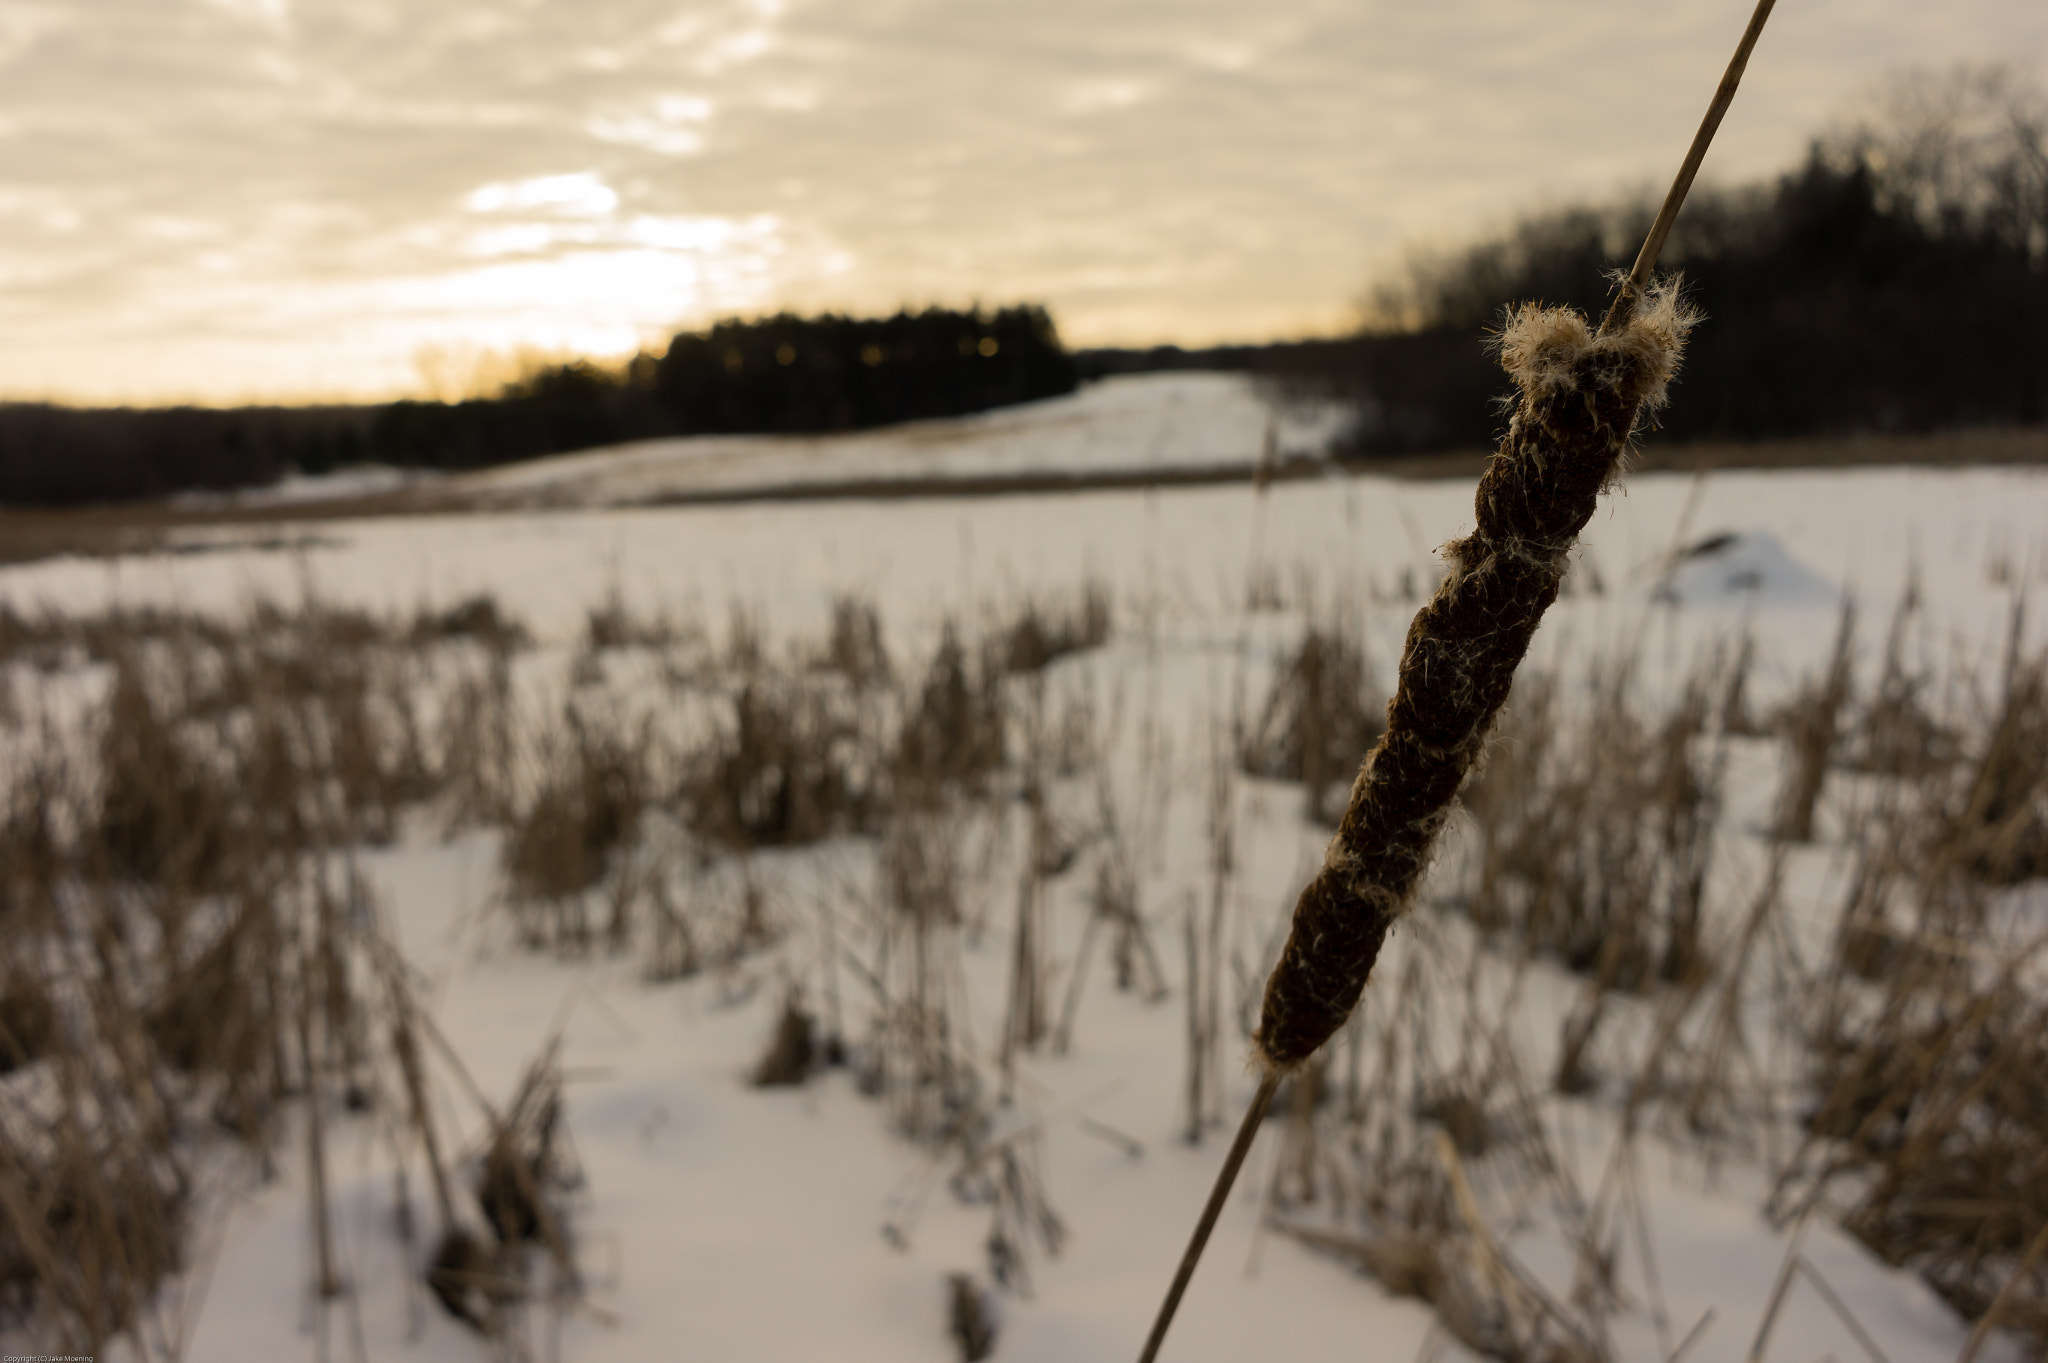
1582 394
1547 350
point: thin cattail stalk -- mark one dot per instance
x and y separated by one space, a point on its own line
1582 393
1653 244
1232 1162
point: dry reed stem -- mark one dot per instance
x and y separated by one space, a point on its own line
1989 1321
326 1283
1841 1309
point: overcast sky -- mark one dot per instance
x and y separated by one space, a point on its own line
220 199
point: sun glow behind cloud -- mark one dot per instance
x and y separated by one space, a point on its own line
228 198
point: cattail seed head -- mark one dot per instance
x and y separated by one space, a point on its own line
1582 394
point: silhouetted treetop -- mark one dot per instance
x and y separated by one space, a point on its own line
787 373
1896 280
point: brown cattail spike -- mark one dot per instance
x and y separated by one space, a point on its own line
1581 397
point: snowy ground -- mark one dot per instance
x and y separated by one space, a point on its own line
721 1222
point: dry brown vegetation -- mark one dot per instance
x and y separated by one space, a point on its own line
1323 711
192 961
1598 837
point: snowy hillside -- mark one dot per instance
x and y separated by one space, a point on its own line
1149 425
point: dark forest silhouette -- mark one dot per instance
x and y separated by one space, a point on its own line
1896 281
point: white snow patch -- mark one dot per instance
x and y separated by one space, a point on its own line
1744 570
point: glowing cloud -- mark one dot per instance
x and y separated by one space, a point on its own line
582 195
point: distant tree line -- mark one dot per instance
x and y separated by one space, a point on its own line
1896 281
777 374
843 373
56 456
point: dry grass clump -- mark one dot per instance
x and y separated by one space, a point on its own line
793 1050
1813 723
1997 821
1427 1250
1404 1140
99 1119
93 1206
612 624
216 745
164 810
920 1059
1897 734
1926 1036
1321 713
970 1318
1595 831
954 732
791 767
479 618
35 801
1931 1101
522 1171
522 1178
584 815
347 717
854 646
52 642
1113 905
917 1055
218 1007
1045 631
28 1020
673 951
182 963
477 744
1004 1175
46 642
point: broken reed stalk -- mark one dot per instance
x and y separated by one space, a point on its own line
1582 393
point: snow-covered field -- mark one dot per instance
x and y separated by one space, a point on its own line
722 1222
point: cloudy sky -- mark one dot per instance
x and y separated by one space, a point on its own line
223 199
